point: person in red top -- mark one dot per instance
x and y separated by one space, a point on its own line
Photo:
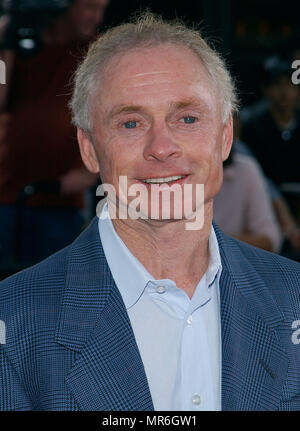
38 142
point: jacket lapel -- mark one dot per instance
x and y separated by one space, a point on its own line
108 373
253 364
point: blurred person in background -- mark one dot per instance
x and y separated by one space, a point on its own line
37 141
273 133
243 208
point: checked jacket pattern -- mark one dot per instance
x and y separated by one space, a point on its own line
70 345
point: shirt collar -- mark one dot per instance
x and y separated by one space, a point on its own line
130 276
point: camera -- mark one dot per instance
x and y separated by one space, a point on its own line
27 20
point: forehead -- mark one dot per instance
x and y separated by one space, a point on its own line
159 72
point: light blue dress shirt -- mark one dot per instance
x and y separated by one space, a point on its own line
179 338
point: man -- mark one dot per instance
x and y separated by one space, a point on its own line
273 133
38 87
147 313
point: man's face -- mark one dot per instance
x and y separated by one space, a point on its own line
156 114
85 15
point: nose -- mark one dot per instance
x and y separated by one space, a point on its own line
161 146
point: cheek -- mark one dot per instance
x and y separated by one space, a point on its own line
215 171
115 160
208 153
214 180
210 166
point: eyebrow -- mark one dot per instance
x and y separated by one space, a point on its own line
186 103
124 108
173 106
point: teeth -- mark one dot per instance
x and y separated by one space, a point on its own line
163 180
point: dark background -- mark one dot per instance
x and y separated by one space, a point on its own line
244 31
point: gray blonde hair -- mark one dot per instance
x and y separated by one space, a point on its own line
147 30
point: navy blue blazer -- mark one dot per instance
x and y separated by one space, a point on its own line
70 345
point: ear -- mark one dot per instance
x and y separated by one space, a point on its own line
227 138
87 151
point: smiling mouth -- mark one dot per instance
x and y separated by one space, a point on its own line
163 180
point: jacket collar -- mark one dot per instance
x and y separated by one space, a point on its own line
109 373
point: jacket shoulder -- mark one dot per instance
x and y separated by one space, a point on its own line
41 283
265 261
280 275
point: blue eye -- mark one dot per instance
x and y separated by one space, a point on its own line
189 120
130 124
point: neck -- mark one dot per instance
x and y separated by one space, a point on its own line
168 250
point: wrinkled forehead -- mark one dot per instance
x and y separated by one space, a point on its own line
161 58
157 70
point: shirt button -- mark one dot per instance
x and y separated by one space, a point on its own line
160 289
196 399
189 320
